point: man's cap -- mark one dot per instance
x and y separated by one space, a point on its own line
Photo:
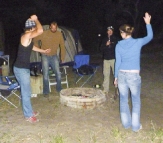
30 24
110 28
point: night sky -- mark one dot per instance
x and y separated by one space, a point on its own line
89 17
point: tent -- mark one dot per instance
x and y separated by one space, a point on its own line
72 45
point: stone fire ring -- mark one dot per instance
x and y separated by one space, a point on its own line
82 98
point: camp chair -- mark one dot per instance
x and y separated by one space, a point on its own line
64 78
8 88
83 68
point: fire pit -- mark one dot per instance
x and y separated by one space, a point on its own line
87 98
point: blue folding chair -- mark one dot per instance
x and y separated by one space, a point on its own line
8 88
83 68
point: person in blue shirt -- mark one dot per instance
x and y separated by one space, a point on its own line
127 68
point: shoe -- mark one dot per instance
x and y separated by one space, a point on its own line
139 129
46 95
35 114
59 90
32 119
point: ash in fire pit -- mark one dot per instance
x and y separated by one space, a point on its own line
87 98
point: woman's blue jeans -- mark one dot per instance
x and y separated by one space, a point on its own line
23 77
52 61
130 81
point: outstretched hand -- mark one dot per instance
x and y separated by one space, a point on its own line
147 18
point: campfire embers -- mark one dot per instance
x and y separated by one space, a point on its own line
87 98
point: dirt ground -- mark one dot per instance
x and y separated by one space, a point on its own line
61 124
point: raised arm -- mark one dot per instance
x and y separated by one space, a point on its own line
37 30
148 38
31 32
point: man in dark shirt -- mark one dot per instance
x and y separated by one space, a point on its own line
108 50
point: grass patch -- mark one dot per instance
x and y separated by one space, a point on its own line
57 139
156 135
117 134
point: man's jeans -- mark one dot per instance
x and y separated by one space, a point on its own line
132 81
107 66
23 77
52 61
